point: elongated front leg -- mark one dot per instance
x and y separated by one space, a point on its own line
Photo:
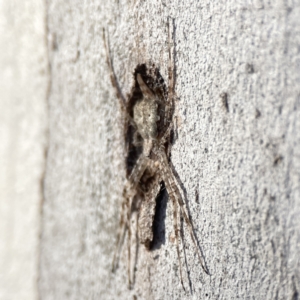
112 72
176 231
171 63
114 82
123 225
174 193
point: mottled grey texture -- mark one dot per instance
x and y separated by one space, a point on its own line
236 149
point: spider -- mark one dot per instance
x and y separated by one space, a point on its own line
147 114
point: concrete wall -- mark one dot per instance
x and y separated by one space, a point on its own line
240 158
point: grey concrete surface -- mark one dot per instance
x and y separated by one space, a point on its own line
23 123
237 156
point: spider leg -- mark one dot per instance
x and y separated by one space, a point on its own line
144 217
129 242
166 134
171 76
136 246
123 225
174 193
149 212
169 104
112 72
113 79
138 171
171 71
176 230
127 207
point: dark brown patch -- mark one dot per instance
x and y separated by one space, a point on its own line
224 98
249 68
278 159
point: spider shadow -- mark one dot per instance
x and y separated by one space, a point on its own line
159 227
159 231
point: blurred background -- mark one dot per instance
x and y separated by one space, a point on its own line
23 135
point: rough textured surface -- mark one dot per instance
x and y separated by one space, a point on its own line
23 121
236 150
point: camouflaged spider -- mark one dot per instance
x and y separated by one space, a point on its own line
148 113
